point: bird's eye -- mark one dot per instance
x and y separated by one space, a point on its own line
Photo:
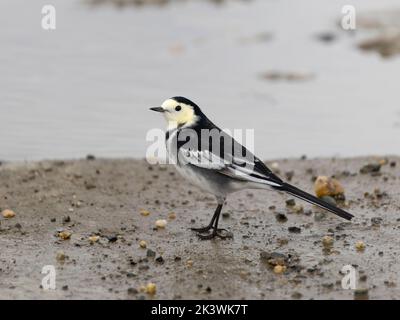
178 108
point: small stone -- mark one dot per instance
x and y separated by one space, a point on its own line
376 221
64 235
172 216
112 238
8 214
370 168
361 294
150 253
360 246
294 229
273 259
298 208
319 216
189 263
290 203
325 186
280 217
226 215
327 241
144 213
65 288
151 288
296 295
67 219
143 244
393 164
383 162
133 291
161 223
160 259
278 269
94 239
61 256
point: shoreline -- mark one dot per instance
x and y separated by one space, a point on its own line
107 200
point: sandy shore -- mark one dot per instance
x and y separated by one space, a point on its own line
105 198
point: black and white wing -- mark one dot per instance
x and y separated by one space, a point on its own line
242 168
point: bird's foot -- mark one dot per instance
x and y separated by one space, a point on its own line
202 230
220 233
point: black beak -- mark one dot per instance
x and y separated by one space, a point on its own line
157 109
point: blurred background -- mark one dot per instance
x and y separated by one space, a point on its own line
285 68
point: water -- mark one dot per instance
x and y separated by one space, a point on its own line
86 87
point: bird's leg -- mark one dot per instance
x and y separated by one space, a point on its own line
211 224
214 225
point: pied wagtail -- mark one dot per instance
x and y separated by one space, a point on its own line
216 168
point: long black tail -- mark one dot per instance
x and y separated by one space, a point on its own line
314 200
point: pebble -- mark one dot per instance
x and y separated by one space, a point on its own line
143 244
133 291
370 168
296 295
278 269
294 229
161 223
298 208
64 235
325 186
61 256
160 259
151 288
189 263
112 238
150 253
273 259
171 216
93 239
144 213
360 246
327 241
290 203
7 213
280 217
361 294
376 221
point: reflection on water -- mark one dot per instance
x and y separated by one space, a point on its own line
86 87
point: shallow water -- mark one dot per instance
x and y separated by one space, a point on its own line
86 87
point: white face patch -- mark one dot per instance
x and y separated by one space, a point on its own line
178 113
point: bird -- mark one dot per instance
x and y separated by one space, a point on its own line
218 164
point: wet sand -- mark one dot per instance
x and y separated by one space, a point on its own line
105 198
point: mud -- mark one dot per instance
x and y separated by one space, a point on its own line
104 198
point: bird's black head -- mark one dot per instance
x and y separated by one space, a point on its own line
180 110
